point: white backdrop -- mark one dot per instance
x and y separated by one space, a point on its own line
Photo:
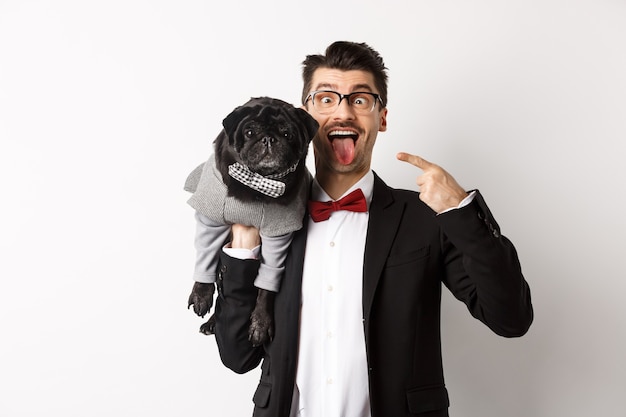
106 106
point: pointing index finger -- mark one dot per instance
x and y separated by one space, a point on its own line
414 160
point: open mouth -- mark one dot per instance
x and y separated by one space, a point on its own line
343 142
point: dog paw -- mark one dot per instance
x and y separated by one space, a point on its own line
201 298
261 328
208 328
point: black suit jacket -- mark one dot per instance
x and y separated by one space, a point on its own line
409 253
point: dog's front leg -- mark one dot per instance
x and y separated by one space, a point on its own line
201 298
262 318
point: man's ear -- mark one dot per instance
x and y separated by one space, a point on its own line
383 120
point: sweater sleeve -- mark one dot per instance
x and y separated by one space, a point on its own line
210 237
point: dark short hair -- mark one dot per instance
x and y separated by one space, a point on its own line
346 56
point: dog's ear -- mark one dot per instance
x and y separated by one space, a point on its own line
231 122
310 124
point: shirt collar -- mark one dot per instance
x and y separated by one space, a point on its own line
366 184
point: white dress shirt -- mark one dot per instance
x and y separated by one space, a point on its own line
331 378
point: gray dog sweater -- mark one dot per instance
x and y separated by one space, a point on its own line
210 198
216 211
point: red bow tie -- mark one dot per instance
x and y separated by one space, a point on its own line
355 201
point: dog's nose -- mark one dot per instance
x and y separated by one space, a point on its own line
268 140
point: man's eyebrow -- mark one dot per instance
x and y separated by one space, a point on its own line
362 87
356 87
325 86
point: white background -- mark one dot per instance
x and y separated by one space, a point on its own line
106 106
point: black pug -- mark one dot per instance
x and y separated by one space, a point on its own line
256 176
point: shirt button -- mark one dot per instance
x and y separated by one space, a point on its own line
332 244
330 288
329 381
329 335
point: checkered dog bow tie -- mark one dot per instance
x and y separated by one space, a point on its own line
355 201
267 185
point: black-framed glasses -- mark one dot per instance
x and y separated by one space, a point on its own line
327 101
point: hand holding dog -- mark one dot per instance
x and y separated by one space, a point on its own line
245 237
438 189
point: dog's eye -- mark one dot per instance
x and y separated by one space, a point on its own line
249 133
285 132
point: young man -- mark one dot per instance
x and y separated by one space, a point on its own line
357 319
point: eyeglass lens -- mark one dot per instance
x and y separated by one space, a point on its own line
328 101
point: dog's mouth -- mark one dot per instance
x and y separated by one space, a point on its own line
343 142
269 160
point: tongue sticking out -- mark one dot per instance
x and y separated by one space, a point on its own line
344 150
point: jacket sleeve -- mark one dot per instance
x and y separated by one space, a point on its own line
483 269
235 302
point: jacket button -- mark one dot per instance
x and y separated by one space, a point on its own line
221 272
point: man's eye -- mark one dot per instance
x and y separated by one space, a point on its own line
361 101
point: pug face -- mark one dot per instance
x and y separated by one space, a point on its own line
269 136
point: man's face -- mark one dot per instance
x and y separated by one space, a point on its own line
346 137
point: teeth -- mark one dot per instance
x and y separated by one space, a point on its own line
342 133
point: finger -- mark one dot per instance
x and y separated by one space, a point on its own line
414 160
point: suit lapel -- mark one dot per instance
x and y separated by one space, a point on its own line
384 220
